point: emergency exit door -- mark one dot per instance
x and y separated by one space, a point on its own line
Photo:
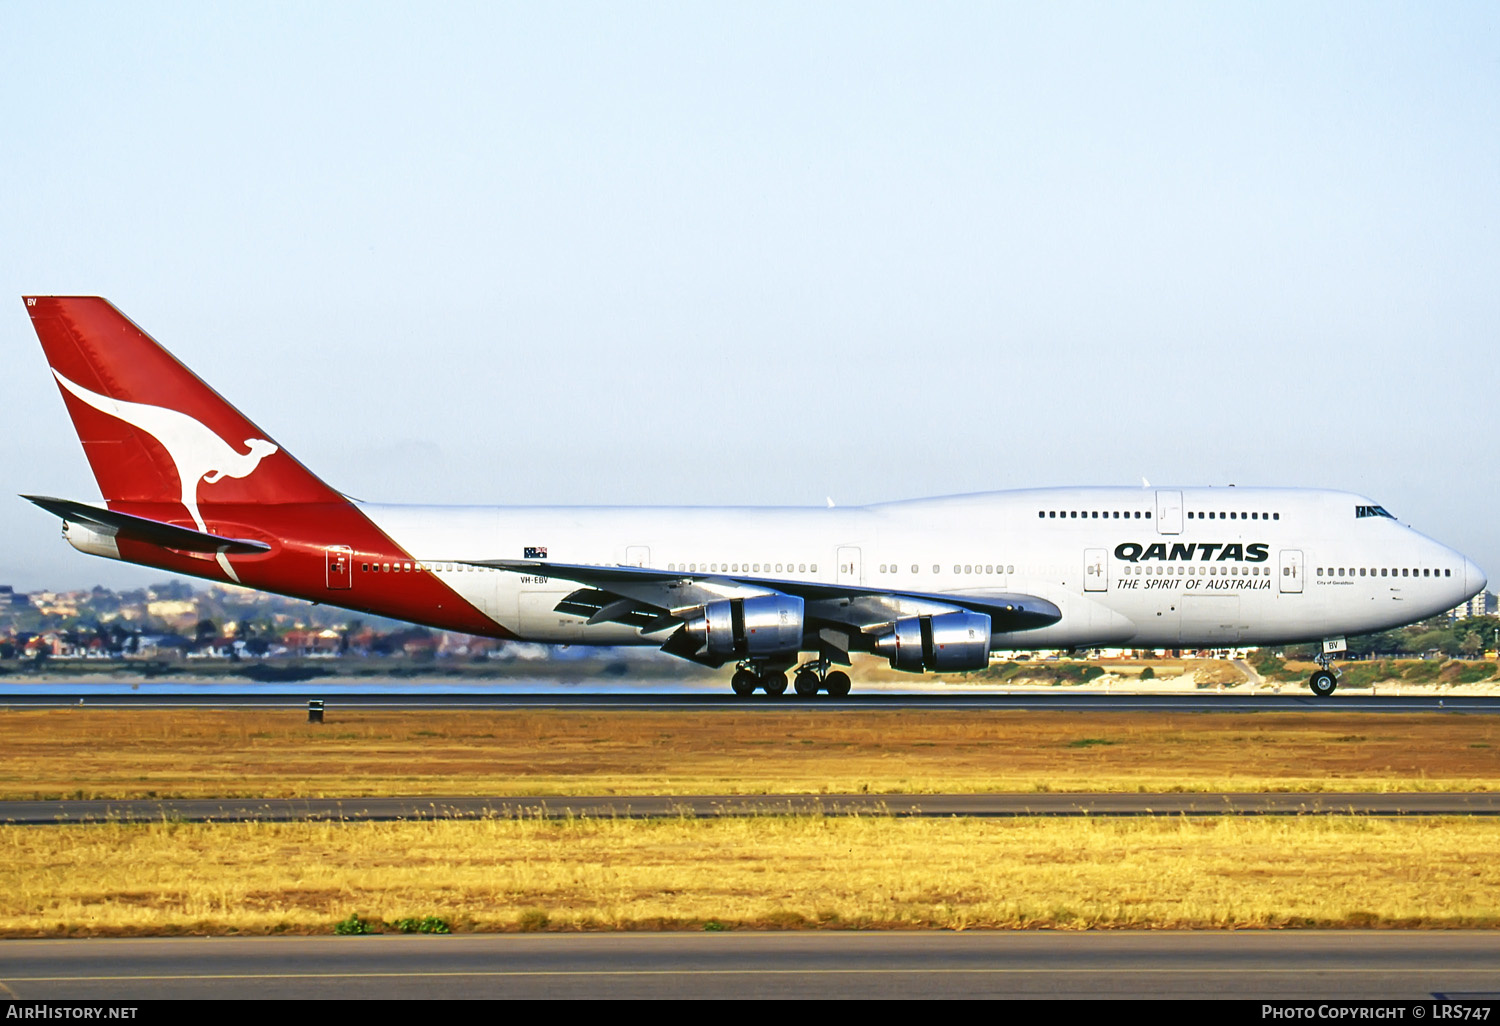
848 564
1291 571
1095 570
340 565
1169 512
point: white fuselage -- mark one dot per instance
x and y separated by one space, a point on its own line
1127 567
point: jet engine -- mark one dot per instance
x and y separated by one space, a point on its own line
948 641
738 628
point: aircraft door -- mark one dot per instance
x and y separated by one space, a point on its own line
1291 571
849 565
1169 512
339 562
638 555
1095 570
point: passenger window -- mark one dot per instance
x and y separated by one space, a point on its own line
1053 514
1320 571
1010 569
1074 514
1094 515
1275 516
1447 573
936 568
1042 514
1426 573
914 568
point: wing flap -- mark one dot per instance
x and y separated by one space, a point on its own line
848 605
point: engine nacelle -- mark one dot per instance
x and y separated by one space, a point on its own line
760 626
949 641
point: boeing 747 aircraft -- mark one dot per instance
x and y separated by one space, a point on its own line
192 487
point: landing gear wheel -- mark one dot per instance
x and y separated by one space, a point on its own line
807 683
837 683
1322 683
774 683
744 682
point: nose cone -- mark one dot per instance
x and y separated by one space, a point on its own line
1474 579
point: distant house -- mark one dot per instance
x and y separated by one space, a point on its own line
154 645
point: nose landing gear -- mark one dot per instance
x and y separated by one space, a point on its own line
1325 679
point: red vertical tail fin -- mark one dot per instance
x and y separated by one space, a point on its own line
151 429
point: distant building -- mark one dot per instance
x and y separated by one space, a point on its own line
1479 605
174 612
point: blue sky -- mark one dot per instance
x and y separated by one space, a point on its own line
766 253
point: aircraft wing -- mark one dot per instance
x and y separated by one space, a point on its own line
108 521
654 600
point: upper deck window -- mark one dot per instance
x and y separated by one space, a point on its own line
1371 511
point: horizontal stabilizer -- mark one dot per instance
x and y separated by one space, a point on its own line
183 539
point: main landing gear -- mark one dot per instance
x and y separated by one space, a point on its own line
816 676
1326 678
748 679
809 679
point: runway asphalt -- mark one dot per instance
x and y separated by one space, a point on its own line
1460 967
344 697
992 806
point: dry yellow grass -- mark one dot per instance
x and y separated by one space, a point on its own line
190 753
771 872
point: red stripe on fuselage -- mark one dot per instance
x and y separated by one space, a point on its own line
300 534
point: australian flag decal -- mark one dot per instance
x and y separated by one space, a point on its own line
535 552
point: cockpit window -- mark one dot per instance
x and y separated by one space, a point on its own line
1371 511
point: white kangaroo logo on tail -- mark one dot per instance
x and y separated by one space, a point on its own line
196 452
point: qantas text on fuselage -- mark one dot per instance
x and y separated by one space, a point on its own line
193 487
